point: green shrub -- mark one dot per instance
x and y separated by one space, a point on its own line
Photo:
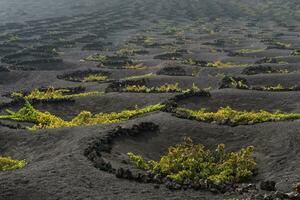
160 89
7 163
278 87
295 52
245 51
140 76
96 58
220 64
94 77
189 161
139 66
128 51
45 120
53 94
232 116
238 83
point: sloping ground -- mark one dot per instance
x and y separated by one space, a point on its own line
118 46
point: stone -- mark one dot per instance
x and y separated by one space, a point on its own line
268 185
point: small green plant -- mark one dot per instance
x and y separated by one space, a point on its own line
149 41
45 120
171 30
14 39
236 83
189 61
295 52
96 58
140 76
7 163
193 162
231 116
196 71
128 51
94 77
160 89
220 64
278 87
139 66
245 51
283 45
16 94
53 94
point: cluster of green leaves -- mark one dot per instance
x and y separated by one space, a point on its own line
52 94
189 61
140 76
7 163
232 116
295 52
278 87
245 51
160 89
240 84
14 39
149 41
45 120
96 58
128 51
94 77
139 66
283 45
171 30
193 162
220 64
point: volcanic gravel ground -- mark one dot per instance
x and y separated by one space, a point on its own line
178 40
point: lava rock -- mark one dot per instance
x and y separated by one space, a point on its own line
268 185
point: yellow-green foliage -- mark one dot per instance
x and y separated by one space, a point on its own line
127 51
45 120
278 87
14 38
171 30
240 84
94 77
149 41
96 58
235 117
161 89
245 51
16 94
140 76
135 67
219 64
189 61
189 161
53 94
295 52
7 163
284 45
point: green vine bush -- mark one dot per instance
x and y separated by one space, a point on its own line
295 52
45 120
96 58
230 116
94 77
7 163
193 162
52 94
166 88
241 83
